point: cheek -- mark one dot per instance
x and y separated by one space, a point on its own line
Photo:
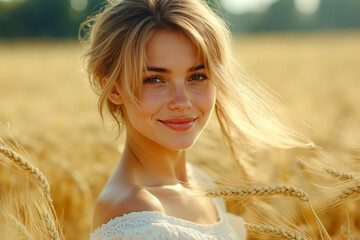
206 99
151 103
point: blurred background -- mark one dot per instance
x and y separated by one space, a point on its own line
307 51
61 19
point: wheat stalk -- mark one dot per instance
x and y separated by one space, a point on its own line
20 229
349 192
53 233
260 191
343 176
33 171
274 231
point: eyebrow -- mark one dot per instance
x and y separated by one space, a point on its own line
164 70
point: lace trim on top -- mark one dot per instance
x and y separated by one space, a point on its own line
142 221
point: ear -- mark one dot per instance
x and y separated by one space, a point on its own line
114 94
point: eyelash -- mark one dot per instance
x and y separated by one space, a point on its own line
199 75
150 79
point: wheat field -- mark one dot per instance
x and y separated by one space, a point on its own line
48 108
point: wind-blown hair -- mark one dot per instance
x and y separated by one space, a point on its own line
248 114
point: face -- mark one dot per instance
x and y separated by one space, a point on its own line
177 97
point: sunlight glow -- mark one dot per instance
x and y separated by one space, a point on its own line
79 5
243 6
307 6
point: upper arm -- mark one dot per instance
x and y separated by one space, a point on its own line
102 213
111 206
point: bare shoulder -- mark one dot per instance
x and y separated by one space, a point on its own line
115 201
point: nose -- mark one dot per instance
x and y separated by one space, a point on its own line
179 99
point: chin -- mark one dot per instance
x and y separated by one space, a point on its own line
179 148
179 145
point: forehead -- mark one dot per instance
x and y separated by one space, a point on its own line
167 47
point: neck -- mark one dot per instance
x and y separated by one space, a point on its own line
149 164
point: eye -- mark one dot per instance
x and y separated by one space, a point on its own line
198 77
153 80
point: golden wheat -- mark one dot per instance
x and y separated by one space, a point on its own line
343 176
43 183
27 167
53 233
282 190
346 233
75 176
19 228
350 191
326 63
274 231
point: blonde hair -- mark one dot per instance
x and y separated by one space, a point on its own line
248 114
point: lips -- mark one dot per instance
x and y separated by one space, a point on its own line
179 124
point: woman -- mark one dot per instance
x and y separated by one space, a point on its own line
161 67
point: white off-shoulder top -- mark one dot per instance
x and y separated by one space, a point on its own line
153 225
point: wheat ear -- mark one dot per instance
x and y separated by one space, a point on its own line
27 167
282 190
32 171
349 191
343 176
20 229
53 233
274 231
345 232
261 191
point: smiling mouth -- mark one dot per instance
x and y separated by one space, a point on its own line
179 124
